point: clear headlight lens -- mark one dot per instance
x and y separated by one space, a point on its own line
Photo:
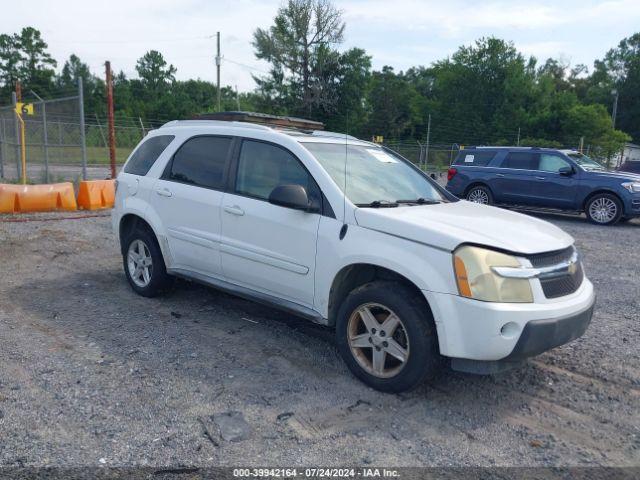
476 279
633 187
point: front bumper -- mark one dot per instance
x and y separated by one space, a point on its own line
632 205
508 332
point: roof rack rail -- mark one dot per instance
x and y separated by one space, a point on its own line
184 123
262 119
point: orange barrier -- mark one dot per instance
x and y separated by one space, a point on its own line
96 194
37 198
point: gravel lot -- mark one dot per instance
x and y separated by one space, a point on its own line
92 374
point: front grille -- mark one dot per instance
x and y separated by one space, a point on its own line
555 287
565 285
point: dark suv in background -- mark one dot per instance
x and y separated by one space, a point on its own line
545 178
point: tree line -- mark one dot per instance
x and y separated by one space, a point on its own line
485 93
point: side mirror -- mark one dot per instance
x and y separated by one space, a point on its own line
292 196
566 171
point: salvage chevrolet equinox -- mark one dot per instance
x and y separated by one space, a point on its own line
351 235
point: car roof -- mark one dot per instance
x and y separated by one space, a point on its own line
301 136
516 148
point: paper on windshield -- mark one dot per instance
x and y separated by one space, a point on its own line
381 156
469 159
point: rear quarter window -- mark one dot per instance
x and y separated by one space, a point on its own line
474 158
146 155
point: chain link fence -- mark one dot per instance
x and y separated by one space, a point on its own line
61 143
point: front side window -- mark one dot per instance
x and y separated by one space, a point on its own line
146 154
263 167
372 174
520 161
201 161
552 163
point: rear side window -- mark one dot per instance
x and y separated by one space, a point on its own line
476 158
201 161
145 156
520 161
262 167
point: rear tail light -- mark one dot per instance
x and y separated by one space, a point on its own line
451 173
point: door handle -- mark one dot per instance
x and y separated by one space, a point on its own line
164 192
499 174
235 210
541 178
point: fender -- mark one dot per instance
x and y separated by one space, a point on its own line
428 268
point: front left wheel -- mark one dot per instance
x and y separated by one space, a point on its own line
386 336
143 264
604 209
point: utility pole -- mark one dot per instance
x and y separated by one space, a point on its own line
218 69
581 144
614 112
426 153
237 98
111 127
518 141
18 91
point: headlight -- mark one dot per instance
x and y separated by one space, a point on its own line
476 279
633 187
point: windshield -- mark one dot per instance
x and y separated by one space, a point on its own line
585 162
374 177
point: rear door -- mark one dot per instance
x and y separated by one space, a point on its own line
551 189
266 247
514 181
188 197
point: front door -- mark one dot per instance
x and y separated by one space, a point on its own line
266 247
552 189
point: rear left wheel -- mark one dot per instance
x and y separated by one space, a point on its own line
480 194
386 336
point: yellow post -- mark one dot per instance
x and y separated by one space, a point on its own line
23 150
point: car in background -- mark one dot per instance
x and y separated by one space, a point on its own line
545 178
630 166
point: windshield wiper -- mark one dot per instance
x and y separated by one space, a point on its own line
420 201
378 204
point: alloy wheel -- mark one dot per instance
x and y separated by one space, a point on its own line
378 340
603 210
140 263
478 195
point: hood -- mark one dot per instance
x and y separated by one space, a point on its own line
447 225
622 176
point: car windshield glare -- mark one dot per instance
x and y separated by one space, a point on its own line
585 162
373 176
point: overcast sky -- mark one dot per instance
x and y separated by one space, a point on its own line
400 33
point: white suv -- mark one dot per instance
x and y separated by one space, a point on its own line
348 234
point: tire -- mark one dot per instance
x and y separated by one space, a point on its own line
603 209
480 194
415 334
156 280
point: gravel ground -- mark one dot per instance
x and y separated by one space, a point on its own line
92 374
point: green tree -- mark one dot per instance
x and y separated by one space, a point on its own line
154 72
620 70
394 105
37 65
299 46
